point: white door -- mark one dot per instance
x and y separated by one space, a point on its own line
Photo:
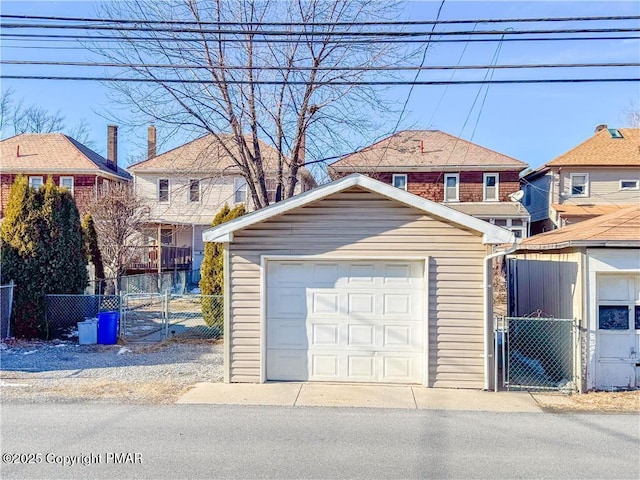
618 327
345 321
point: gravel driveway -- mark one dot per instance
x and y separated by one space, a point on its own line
62 371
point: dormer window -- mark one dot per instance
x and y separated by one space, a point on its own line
400 181
579 184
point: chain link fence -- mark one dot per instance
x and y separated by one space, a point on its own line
6 301
538 353
176 283
196 316
144 317
63 312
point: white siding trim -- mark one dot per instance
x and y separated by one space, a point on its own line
427 319
492 234
226 305
263 316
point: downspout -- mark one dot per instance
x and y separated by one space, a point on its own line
487 311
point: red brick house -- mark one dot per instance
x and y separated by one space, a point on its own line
70 163
445 169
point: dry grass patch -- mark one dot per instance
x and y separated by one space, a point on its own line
92 390
608 402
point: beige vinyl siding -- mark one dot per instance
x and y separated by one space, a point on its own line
358 224
604 185
214 193
550 282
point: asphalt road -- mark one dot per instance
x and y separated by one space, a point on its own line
198 441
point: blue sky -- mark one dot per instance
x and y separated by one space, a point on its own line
534 123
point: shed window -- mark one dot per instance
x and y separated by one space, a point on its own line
35 182
67 182
579 184
194 190
629 184
240 190
451 187
490 190
613 317
163 190
400 181
637 325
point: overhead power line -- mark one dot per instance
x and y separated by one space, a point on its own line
320 68
109 38
336 83
296 24
313 33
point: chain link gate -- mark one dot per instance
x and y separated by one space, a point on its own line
537 353
196 316
144 317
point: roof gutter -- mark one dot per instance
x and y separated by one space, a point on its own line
487 310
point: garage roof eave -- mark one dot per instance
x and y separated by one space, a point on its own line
491 233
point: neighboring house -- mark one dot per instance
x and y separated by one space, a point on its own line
72 165
185 188
446 169
358 281
599 176
591 272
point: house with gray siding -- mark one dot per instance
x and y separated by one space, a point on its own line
599 176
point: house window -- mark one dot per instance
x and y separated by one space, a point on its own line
240 190
67 182
400 181
451 187
629 184
490 190
615 133
35 182
163 190
194 190
579 184
166 236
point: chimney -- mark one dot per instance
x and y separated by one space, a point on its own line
602 126
151 141
112 147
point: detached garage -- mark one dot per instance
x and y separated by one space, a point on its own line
358 281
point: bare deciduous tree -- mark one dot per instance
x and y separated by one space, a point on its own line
221 59
17 118
119 216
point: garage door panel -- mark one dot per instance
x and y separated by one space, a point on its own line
287 365
285 333
361 321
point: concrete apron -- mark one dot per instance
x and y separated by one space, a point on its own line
353 395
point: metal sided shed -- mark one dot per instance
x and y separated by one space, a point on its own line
589 271
358 281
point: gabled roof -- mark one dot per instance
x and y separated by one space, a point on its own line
620 228
203 155
603 149
52 153
425 150
491 234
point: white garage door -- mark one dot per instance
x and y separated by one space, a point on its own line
345 321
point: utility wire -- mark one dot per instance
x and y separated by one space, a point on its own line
408 22
337 83
312 33
321 68
107 38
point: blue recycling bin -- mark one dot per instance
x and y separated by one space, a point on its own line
108 327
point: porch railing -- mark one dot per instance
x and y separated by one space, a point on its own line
154 258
